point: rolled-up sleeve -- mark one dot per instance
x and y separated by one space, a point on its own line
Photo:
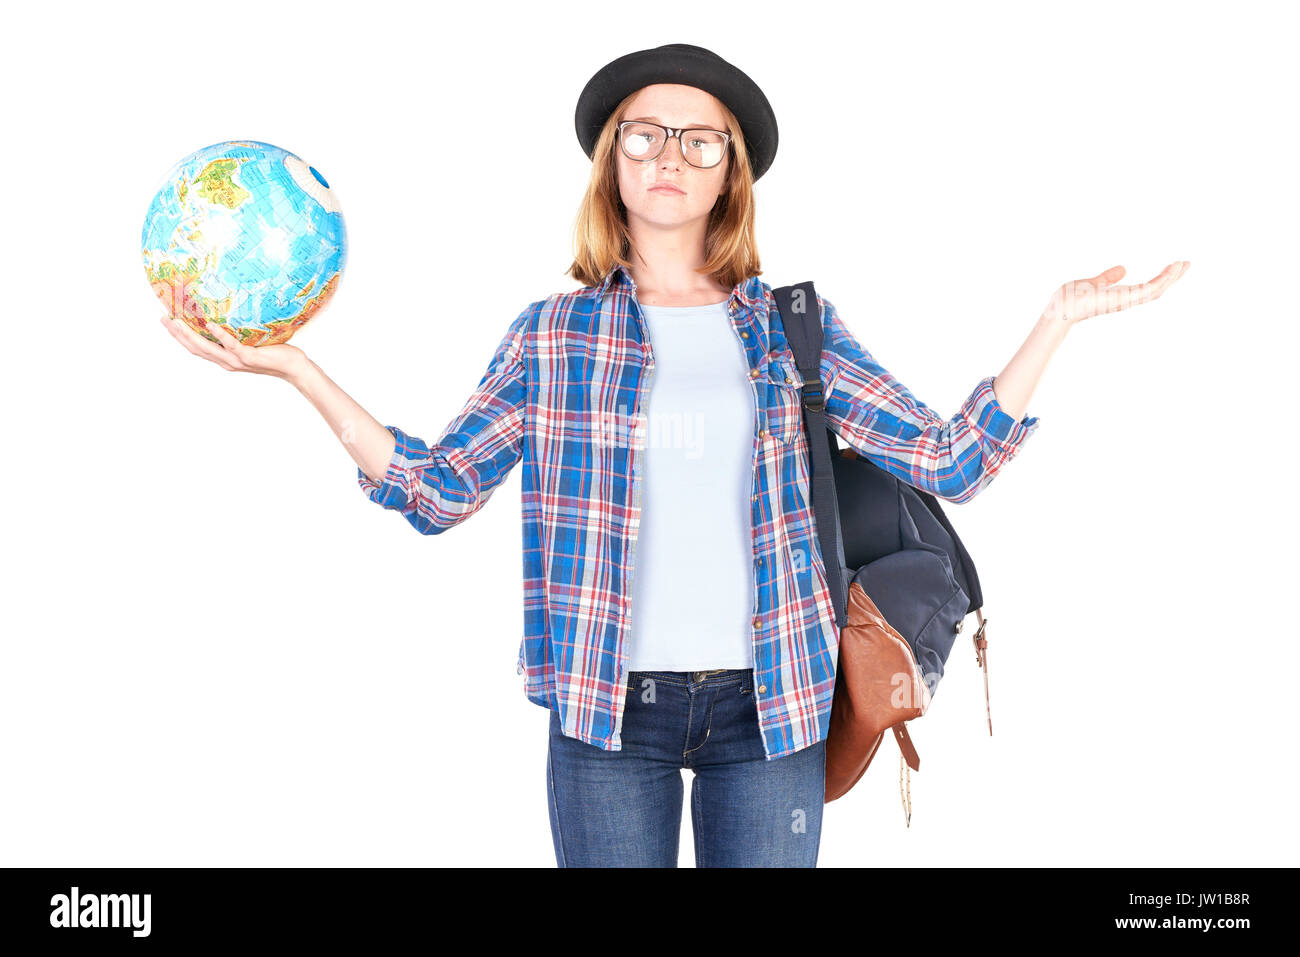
953 459
437 487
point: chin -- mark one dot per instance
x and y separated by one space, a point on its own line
657 218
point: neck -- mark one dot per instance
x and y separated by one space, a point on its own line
665 264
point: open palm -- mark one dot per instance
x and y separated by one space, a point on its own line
229 353
1083 298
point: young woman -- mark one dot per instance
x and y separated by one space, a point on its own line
677 613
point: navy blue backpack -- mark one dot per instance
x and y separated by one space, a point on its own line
889 537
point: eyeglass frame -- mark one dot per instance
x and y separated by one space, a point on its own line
670 133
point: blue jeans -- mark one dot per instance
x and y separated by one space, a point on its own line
624 808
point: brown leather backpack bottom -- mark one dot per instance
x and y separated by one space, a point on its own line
878 687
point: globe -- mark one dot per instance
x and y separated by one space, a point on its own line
248 235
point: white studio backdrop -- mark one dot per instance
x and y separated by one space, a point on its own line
217 652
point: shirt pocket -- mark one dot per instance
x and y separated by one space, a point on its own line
784 400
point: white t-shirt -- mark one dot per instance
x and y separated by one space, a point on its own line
693 569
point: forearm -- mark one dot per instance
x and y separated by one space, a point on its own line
1015 384
366 440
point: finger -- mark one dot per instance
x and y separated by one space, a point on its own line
1168 276
218 332
192 334
1158 284
1113 274
199 345
1175 271
227 333
179 329
227 342
1124 297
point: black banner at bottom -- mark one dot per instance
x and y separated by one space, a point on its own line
375 907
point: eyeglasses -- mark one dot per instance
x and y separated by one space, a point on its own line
644 142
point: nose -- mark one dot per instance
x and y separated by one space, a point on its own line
673 143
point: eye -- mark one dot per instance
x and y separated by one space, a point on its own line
640 142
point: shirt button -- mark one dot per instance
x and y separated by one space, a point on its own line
788 380
754 499
744 335
753 374
762 432
757 622
762 688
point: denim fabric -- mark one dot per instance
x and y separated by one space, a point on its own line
624 808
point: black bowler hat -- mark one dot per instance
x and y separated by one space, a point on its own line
688 65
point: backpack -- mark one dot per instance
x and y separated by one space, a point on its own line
888 538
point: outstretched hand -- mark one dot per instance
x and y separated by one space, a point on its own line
229 353
1082 298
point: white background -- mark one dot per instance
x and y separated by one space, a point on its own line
216 651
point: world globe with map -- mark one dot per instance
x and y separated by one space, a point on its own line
248 235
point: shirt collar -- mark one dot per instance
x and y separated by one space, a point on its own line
749 292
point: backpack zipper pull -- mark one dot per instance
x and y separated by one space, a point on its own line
907 800
982 659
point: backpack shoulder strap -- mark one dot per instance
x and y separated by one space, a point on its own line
801 320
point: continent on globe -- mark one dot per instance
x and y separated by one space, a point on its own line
248 235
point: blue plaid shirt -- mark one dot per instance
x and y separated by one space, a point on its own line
565 394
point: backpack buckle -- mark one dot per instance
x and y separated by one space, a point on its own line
813 398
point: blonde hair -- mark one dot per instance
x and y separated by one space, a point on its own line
600 234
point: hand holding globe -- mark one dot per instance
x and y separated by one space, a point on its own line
281 361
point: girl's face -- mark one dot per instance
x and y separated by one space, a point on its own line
641 184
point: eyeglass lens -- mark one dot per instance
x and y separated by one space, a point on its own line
703 148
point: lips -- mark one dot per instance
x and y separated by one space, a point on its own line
666 188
